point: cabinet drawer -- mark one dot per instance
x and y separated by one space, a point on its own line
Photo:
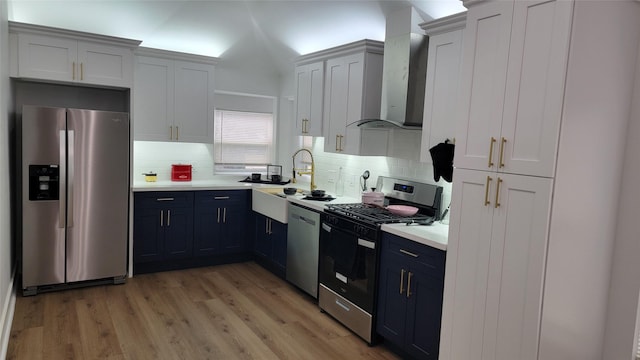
421 257
164 198
221 197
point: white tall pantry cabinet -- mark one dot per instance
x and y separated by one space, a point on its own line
544 102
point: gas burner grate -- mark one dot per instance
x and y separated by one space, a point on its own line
371 213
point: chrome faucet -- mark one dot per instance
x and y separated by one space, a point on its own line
304 171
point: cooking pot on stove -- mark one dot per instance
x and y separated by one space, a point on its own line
373 197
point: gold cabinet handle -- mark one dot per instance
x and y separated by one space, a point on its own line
177 133
81 71
337 142
168 218
170 132
504 141
486 192
161 218
73 71
497 204
341 149
493 140
402 271
409 285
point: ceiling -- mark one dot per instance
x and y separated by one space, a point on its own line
269 32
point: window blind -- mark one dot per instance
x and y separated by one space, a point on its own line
243 137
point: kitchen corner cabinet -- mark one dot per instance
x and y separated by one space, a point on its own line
162 226
353 87
221 221
511 93
410 296
271 243
443 73
173 97
309 92
64 56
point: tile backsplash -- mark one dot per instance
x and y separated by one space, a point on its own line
158 157
328 166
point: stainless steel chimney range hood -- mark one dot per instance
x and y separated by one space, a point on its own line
404 73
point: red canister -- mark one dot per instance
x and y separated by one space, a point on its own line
180 172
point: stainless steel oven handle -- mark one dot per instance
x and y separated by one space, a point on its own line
326 227
366 243
345 307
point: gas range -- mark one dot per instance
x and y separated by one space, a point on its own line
372 214
426 197
350 249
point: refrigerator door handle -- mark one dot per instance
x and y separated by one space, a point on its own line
70 165
63 180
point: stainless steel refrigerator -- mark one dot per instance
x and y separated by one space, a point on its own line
75 196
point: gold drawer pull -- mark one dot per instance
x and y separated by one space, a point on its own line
486 191
493 140
504 141
497 204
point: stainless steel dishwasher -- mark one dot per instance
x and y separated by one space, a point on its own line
303 247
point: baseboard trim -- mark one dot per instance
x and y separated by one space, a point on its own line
8 309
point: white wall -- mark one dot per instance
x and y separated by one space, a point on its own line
597 108
7 293
625 280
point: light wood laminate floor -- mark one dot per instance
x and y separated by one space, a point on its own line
237 311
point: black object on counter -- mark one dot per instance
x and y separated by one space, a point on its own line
290 190
249 180
319 198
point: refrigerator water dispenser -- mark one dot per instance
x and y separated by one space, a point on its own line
44 182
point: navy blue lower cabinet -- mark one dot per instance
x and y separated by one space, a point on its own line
410 296
221 221
163 226
270 244
183 229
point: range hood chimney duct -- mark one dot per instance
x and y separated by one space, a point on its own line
404 72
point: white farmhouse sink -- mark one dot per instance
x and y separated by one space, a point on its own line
270 202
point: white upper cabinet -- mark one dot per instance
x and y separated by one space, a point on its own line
173 97
309 98
512 86
353 87
443 73
66 56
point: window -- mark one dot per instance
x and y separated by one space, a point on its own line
242 140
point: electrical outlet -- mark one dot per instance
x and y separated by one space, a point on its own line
331 176
352 180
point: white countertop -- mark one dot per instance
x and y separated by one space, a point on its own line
222 182
435 235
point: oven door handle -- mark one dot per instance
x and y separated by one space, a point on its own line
366 243
326 227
